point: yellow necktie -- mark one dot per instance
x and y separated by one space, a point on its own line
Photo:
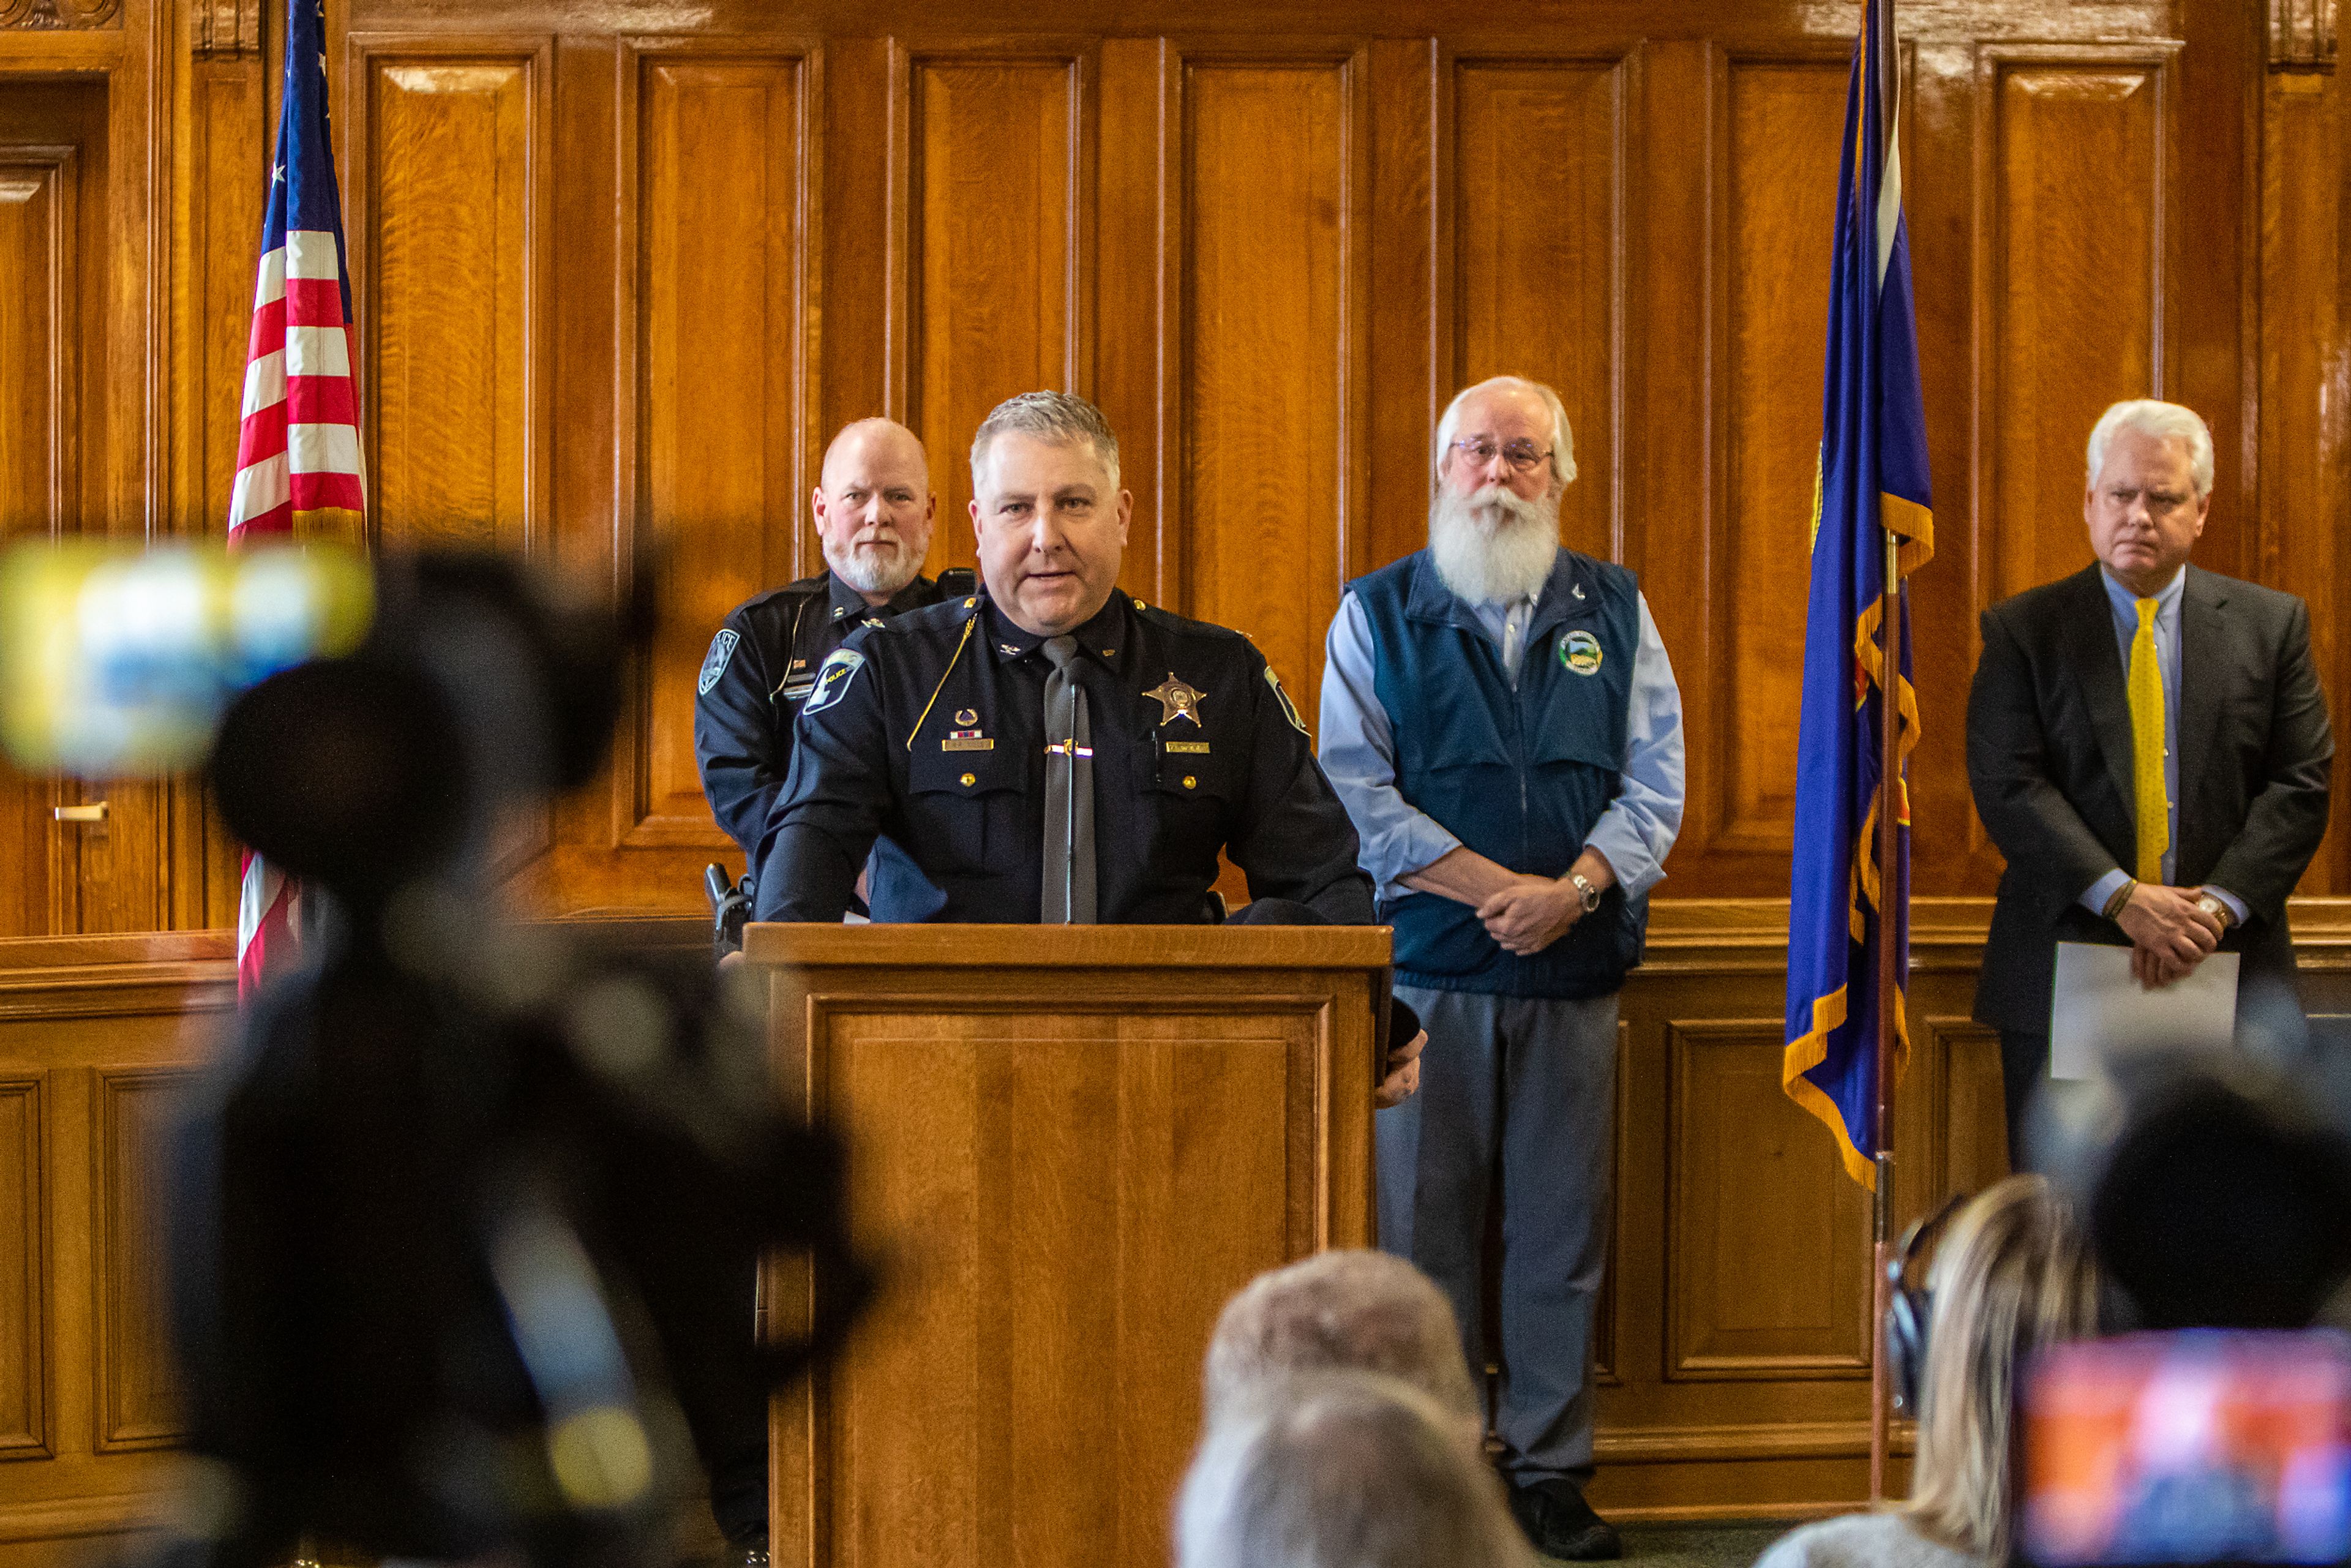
2148 747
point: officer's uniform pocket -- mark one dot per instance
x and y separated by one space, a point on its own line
958 803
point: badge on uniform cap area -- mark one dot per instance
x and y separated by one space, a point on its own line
713 664
966 716
832 679
1580 652
1176 700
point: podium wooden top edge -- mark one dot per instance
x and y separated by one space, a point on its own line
1070 946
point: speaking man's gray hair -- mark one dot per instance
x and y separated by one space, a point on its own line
1345 1311
1056 418
2164 422
1343 1470
1563 439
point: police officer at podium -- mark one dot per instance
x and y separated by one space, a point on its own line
1050 749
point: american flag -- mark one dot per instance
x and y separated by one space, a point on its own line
298 450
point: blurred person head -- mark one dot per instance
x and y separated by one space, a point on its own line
2013 1274
1338 1311
874 508
1504 455
2150 485
1047 509
1342 1469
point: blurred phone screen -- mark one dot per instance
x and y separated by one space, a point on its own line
2201 1446
115 663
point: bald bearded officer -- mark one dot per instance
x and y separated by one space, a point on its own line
1050 749
873 511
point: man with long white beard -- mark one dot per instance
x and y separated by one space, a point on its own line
873 512
1501 720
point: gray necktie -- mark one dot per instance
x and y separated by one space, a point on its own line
1068 792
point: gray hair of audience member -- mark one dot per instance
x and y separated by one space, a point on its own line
1563 438
2162 421
1348 1311
2014 1275
1342 1469
1056 418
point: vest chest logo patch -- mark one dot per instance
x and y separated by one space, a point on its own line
1580 652
832 679
713 664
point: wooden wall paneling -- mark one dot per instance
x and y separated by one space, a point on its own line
849 288
1275 270
25 1366
2303 385
447 223
992 180
1972 1131
1406 237
1538 269
138 1378
1769 1241
2069 270
1776 194
1137 297
718 158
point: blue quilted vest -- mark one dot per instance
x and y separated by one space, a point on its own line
1519 775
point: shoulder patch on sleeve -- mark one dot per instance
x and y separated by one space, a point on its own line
713 664
832 679
1289 708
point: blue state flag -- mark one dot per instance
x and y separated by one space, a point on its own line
1872 481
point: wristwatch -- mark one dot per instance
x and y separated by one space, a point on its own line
1587 894
2216 909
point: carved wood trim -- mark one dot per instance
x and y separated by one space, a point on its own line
2302 35
32 1439
220 30
53 16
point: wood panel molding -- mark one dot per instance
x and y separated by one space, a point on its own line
58 14
1768 1236
719 145
218 29
138 1382
25 1276
2302 33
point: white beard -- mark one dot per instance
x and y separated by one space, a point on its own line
876 568
1493 546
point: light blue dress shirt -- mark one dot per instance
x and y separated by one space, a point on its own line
2167 652
1357 744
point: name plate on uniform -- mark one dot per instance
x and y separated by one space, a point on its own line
1188 747
968 743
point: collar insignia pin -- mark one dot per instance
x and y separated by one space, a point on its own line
966 716
1176 700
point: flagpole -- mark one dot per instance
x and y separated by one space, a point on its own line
1889 801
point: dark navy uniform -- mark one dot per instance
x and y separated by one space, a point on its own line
761 666
924 742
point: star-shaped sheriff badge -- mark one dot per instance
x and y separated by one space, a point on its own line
1176 701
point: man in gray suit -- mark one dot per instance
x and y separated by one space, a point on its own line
2148 747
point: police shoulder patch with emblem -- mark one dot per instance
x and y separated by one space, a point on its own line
713 664
833 677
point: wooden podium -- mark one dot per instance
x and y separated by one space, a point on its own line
1068 1146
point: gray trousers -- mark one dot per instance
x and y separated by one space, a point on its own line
1523 1087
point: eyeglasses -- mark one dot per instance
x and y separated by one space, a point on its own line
1521 456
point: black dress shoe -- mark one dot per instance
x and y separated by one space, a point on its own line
1562 1524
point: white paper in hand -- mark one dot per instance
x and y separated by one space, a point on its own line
2098 1011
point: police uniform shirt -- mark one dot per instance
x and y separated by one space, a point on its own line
760 668
926 733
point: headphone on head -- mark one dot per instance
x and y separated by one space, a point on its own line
1911 1305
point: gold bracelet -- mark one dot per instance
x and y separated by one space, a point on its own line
2121 900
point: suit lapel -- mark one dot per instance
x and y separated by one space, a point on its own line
2097 664
2203 633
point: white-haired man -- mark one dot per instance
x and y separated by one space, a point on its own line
2148 747
1500 717
1340 1470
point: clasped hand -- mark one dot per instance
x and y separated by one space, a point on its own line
1531 913
2170 933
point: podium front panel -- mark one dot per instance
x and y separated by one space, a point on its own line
1064 1169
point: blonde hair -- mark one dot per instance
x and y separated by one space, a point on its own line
2013 1274
1344 1311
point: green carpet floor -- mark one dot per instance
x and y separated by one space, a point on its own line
1727 1544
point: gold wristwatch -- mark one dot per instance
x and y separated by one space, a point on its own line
2215 908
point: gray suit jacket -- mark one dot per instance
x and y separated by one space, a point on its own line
2048 760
